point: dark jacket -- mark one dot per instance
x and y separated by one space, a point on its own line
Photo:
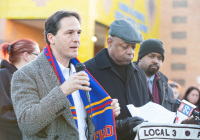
9 129
132 91
165 93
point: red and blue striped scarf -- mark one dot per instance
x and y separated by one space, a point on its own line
102 113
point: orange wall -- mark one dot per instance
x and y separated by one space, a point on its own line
15 31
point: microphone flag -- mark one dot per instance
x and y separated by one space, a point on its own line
186 108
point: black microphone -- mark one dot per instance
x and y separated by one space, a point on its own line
186 108
81 67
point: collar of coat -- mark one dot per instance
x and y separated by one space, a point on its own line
5 64
103 61
162 77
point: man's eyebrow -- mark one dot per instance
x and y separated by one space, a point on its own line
72 30
124 43
154 53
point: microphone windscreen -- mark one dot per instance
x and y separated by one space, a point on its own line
80 67
176 102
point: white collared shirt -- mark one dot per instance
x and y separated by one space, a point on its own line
80 108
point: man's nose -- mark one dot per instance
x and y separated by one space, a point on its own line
155 60
76 37
130 50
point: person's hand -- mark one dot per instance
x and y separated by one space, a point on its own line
125 126
190 120
115 106
75 82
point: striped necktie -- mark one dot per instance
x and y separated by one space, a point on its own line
150 85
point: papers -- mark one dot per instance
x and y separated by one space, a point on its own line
153 113
180 117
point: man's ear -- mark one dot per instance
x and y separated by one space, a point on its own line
25 56
50 38
109 42
139 60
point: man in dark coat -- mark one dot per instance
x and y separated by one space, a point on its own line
113 69
150 59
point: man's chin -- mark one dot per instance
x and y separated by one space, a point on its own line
152 72
72 57
125 63
75 55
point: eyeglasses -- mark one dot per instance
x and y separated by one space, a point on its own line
34 54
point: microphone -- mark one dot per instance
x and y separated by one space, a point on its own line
186 108
81 67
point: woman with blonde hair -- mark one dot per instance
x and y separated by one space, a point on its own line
15 55
175 88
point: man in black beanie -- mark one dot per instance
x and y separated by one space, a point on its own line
150 59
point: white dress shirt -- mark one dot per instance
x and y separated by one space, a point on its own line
80 108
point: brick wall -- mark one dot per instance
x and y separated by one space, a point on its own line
180 33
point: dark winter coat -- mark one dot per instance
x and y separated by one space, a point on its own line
165 92
133 91
9 129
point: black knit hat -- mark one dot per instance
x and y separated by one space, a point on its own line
151 45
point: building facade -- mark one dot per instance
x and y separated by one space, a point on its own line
25 19
179 31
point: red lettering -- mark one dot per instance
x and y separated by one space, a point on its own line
101 134
109 128
107 132
95 135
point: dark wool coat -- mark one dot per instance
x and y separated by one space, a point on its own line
9 129
134 91
165 92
